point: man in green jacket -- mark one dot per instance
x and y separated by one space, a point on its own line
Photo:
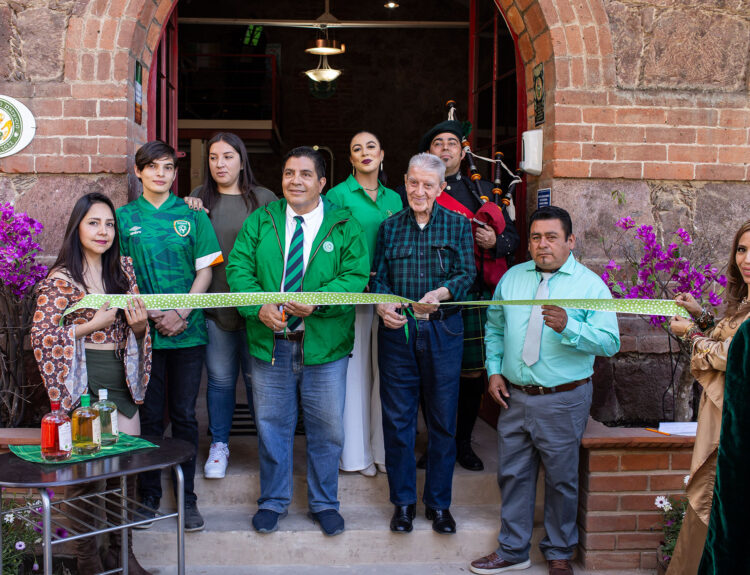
300 243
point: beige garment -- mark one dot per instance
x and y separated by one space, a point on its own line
708 364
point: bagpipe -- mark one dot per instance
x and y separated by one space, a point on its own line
490 213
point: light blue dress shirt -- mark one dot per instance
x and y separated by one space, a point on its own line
563 357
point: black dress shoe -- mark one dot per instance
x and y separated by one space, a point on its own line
442 520
422 461
403 515
467 458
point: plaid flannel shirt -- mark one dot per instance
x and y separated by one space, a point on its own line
410 261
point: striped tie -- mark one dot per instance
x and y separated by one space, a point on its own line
295 268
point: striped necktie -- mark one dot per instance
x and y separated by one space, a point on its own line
295 268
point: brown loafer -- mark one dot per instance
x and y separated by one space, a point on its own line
559 567
493 564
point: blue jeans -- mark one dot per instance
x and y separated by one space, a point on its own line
175 380
322 390
430 360
225 353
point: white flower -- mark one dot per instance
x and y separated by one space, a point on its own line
662 502
8 518
687 478
667 506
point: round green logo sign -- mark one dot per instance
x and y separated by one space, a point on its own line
17 126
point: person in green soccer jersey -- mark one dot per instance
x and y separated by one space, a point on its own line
173 249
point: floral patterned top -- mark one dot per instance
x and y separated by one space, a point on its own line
62 358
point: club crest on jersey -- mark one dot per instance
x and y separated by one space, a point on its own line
182 227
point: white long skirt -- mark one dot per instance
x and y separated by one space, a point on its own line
363 420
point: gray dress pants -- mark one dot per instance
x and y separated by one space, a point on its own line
546 428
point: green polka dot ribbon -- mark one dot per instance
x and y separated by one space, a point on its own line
663 307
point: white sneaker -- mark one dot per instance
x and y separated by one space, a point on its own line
369 471
218 459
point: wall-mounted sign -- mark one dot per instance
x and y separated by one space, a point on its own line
543 198
138 93
17 126
538 73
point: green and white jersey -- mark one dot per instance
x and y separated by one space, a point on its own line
169 244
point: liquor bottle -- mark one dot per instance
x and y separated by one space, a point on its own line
87 429
108 418
57 440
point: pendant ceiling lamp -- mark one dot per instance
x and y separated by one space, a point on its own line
323 46
323 73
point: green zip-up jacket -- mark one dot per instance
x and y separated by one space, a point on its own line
256 264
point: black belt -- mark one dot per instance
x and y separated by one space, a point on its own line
441 313
290 335
541 390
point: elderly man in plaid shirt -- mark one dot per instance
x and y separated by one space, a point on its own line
424 253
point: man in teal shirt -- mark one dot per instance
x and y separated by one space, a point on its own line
539 361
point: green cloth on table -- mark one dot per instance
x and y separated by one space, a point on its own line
126 443
728 531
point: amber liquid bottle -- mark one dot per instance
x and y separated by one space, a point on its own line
87 429
57 440
108 418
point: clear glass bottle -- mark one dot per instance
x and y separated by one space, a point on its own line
108 418
87 429
57 438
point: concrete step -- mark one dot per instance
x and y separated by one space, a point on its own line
229 539
377 569
241 485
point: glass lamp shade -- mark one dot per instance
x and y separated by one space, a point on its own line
323 73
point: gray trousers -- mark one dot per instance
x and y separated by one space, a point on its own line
546 428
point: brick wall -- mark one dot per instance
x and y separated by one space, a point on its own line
73 65
625 96
621 473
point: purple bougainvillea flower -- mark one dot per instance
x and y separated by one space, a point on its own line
684 236
612 265
18 250
714 299
626 223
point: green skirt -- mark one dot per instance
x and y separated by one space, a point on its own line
107 371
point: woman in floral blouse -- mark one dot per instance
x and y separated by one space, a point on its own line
99 349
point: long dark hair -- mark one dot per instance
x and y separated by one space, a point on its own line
736 287
71 256
382 176
210 191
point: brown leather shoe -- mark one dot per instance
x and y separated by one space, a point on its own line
559 567
493 564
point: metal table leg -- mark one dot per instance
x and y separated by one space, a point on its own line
180 519
2 518
46 531
124 532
